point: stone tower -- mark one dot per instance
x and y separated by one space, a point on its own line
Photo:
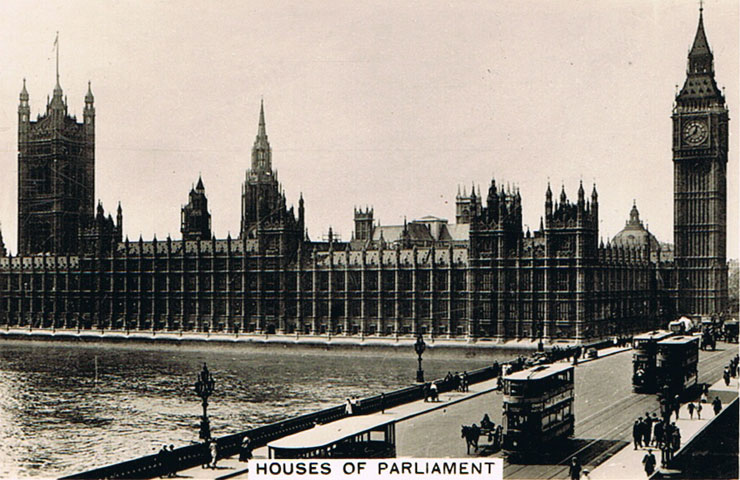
56 175
195 218
700 130
261 199
364 224
265 216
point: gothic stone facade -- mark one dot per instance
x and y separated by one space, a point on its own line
481 278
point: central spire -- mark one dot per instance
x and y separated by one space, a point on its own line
261 152
57 87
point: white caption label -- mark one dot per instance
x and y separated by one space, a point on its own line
385 469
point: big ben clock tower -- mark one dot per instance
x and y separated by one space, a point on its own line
700 129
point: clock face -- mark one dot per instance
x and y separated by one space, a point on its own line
695 132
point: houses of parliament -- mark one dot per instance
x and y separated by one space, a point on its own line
482 277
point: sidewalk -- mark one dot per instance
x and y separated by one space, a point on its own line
627 463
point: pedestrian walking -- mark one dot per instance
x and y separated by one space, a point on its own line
648 430
675 439
348 407
163 458
245 451
658 433
726 376
648 462
691 408
382 403
214 454
637 434
717 405
171 462
575 469
698 410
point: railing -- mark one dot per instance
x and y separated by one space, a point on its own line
193 455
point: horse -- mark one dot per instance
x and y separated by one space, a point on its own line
471 434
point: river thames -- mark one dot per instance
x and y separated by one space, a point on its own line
68 407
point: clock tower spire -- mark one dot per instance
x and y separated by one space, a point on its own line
700 142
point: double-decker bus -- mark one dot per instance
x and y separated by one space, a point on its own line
538 406
645 348
676 365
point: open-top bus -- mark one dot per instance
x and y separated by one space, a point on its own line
645 349
538 406
676 365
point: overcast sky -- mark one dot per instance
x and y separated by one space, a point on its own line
389 104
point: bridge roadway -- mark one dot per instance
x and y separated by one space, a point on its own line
605 410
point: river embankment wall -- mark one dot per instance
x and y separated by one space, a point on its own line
435 347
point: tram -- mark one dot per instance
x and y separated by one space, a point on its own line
676 365
538 407
645 348
352 437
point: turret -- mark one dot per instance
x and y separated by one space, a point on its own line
301 213
119 220
364 224
595 206
548 201
88 114
24 112
492 201
195 218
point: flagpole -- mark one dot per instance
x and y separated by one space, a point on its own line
56 44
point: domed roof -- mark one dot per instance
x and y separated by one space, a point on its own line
634 233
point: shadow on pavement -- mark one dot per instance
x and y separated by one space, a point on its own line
589 452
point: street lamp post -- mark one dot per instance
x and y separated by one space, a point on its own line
204 387
420 346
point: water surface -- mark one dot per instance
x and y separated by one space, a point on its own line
57 416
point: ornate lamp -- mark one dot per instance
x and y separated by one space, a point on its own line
204 387
419 347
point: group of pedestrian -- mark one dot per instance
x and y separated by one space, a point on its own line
670 443
694 407
459 381
351 406
568 353
431 392
646 431
576 470
166 457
